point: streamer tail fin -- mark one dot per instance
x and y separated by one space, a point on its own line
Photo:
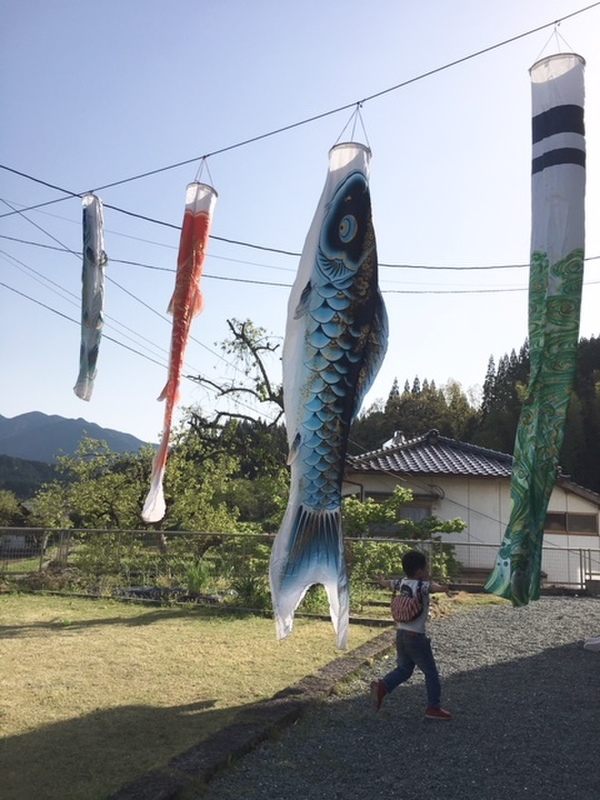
308 550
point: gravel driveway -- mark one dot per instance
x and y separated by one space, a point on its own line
526 702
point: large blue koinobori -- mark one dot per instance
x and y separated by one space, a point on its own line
336 338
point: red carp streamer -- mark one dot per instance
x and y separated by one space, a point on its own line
186 303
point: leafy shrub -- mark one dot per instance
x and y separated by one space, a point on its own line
315 601
251 591
199 577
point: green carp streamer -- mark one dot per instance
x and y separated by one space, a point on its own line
554 310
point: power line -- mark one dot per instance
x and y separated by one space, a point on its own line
357 104
73 299
135 297
77 322
194 379
274 284
126 291
429 267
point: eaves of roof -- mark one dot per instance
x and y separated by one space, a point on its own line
433 454
565 483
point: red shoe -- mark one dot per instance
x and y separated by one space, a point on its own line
378 692
437 713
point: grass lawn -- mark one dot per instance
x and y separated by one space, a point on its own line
95 693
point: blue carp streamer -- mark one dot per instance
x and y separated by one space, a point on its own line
92 294
336 338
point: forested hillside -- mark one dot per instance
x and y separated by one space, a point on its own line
493 421
43 437
24 477
245 458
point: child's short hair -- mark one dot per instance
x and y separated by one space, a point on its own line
412 561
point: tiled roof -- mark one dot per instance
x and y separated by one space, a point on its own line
434 454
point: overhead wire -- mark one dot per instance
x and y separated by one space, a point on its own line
111 280
163 364
77 322
212 256
137 299
274 284
78 256
387 265
73 299
357 104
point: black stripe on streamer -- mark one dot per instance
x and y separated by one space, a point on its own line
560 119
562 155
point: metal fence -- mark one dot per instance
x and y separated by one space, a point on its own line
142 557
561 566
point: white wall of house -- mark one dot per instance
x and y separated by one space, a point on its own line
484 504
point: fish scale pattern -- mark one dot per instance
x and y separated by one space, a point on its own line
333 358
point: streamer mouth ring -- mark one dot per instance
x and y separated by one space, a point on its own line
555 66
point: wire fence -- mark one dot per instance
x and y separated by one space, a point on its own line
573 568
125 562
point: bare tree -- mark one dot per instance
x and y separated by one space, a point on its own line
249 345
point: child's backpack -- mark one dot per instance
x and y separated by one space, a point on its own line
405 605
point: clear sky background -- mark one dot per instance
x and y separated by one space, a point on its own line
94 93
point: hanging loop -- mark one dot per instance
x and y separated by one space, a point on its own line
201 166
355 117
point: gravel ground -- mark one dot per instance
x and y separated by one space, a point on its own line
526 702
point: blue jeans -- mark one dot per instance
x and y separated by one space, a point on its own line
414 650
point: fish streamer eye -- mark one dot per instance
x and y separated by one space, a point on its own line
348 228
346 223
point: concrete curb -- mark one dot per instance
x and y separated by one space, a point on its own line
252 726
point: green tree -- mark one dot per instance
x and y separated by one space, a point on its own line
12 513
260 501
96 489
195 485
394 391
425 407
360 517
370 429
572 454
366 559
258 447
462 417
503 393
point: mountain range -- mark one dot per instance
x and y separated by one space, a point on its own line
41 437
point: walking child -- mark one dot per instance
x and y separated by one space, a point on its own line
413 646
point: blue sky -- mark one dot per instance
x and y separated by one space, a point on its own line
93 93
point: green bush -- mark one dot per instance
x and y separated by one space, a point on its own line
315 601
199 578
251 591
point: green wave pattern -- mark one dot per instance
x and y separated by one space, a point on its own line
554 311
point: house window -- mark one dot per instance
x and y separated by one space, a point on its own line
580 524
415 513
415 510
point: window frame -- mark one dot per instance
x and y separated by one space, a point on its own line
567 517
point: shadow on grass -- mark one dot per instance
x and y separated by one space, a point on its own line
528 727
89 757
137 621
